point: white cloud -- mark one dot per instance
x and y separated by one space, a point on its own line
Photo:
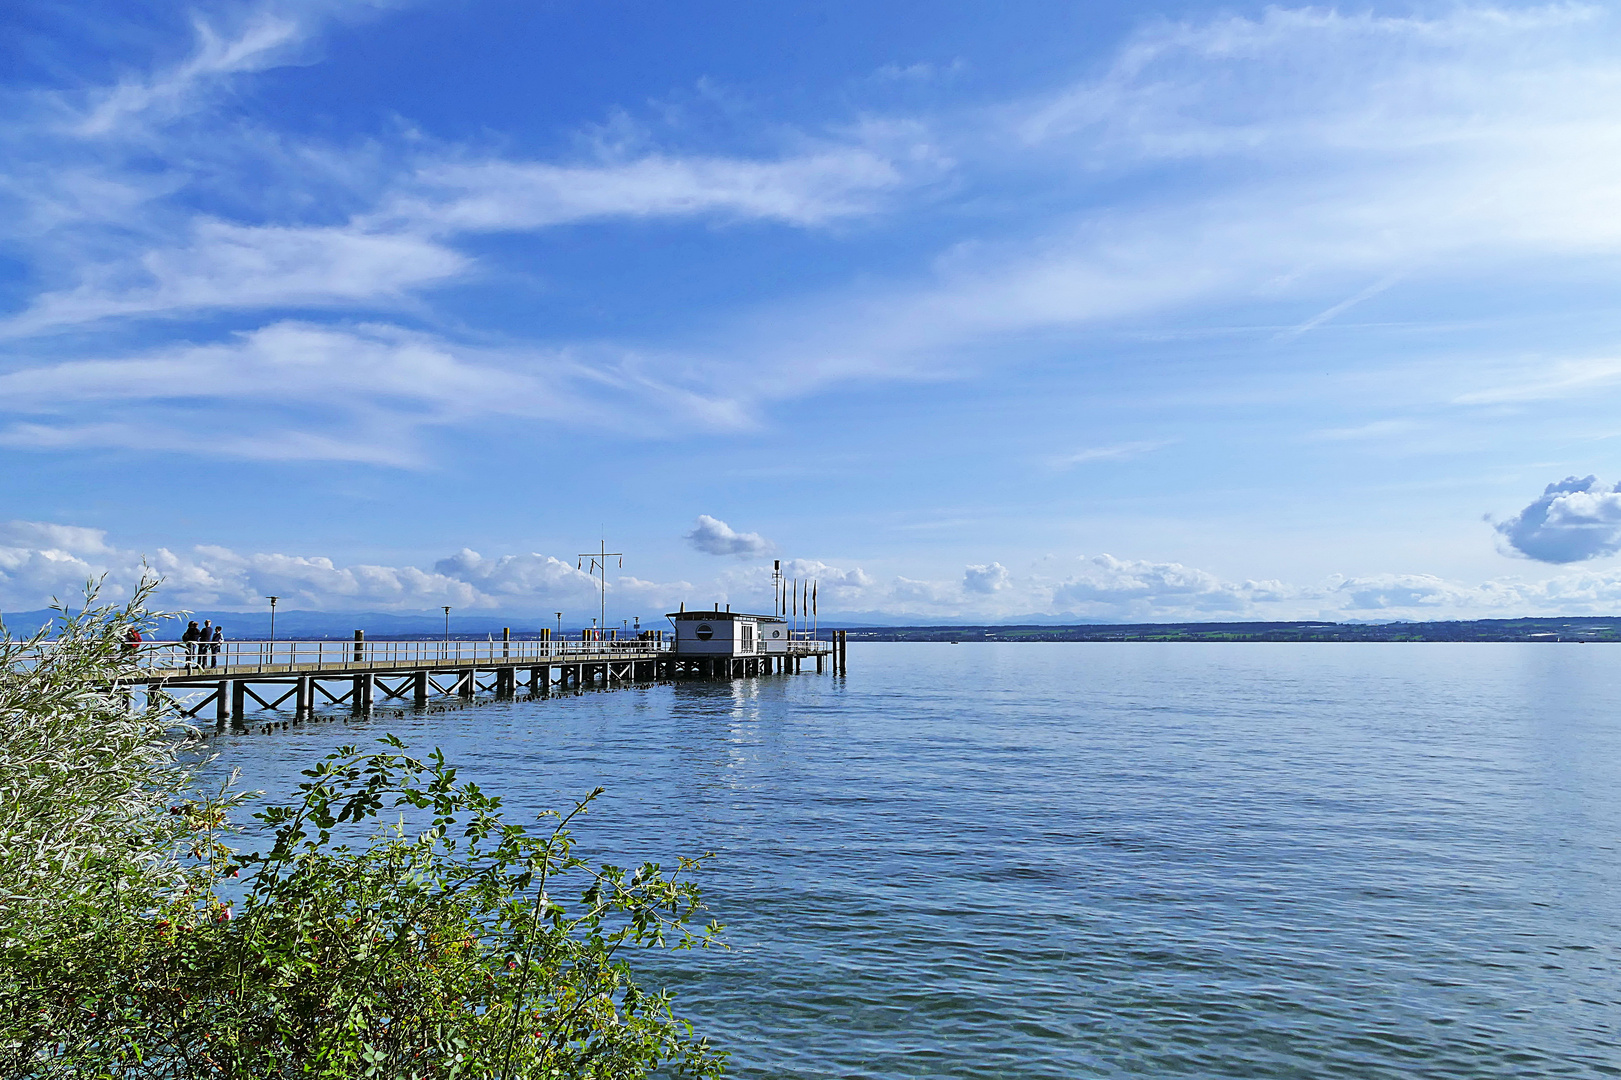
42 535
103 193
1379 430
383 258
1546 381
307 392
1110 588
1117 452
1575 519
1405 593
39 561
1349 151
526 576
911 594
258 46
225 266
806 189
714 537
1328 155
851 579
986 579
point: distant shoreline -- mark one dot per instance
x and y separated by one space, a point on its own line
338 626
1531 630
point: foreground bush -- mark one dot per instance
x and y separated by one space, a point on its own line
135 942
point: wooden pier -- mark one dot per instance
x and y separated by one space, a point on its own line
361 673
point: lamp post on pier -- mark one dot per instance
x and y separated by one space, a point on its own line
559 626
272 600
447 630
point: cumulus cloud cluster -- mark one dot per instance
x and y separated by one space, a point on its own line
40 560
1106 587
1575 519
986 578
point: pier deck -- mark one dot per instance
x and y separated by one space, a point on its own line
361 673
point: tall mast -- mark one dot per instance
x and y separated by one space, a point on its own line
599 566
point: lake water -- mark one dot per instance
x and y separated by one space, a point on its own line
1069 860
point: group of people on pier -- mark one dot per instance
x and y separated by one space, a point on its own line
203 644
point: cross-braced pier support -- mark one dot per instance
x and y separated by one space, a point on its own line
275 676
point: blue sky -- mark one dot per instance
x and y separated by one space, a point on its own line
1105 310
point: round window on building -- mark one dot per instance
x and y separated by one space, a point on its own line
705 631
776 633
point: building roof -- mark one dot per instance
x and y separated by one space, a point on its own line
716 616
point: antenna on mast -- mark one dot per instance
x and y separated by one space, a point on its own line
599 568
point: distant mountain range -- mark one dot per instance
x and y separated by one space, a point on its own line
318 625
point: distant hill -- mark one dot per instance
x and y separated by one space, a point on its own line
1555 629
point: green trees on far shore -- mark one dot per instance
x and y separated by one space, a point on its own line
137 941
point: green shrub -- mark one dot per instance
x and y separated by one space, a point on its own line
137 943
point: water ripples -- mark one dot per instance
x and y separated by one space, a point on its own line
1110 859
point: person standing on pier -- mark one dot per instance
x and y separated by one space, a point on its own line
214 642
190 638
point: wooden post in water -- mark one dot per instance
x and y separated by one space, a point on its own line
419 688
239 699
358 690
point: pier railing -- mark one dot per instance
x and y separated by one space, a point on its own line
249 657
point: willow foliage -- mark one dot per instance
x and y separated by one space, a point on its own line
137 942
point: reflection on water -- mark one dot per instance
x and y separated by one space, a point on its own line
1109 859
